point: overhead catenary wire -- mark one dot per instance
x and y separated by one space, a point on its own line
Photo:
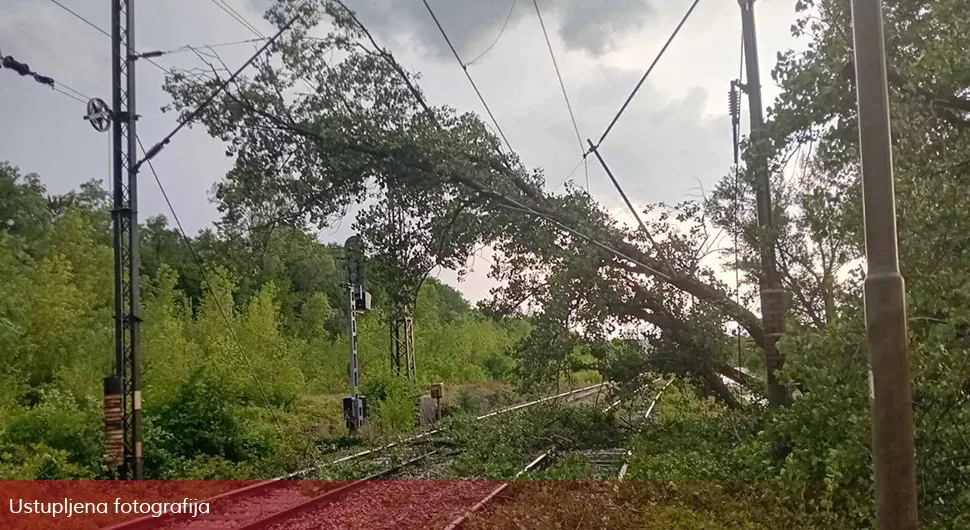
235 15
102 31
208 284
516 206
562 86
645 75
151 153
497 37
509 203
464 68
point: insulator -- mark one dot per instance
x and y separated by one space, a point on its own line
734 103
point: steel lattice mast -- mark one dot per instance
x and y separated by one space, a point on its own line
127 313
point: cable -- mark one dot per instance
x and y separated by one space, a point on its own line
86 21
468 75
565 180
517 206
645 75
563 87
168 138
221 4
205 278
499 36
103 32
72 96
8 62
188 48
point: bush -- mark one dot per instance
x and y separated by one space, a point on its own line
58 437
394 401
204 419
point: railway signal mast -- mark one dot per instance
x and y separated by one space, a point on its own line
354 404
893 447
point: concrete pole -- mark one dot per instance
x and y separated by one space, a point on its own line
772 295
893 446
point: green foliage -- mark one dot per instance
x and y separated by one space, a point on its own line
56 438
282 322
694 438
394 400
502 447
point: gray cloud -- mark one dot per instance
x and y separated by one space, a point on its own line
667 136
472 25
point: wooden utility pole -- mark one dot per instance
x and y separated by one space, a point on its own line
893 447
772 295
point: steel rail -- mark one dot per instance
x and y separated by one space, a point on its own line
326 497
544 457
481 504
629 453
262 486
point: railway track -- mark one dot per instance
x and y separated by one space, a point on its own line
604 463
317 504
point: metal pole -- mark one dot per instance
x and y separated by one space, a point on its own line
125 233
772 295
893 446
355 412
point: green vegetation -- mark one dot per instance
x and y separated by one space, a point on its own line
297 166
205 415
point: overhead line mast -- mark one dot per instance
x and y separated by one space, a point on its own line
126 381
772 294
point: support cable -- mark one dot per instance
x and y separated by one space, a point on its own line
191 48
562 85
151 153
215 296
464 68
645 75
10 63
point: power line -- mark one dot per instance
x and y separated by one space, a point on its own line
82 19
468 75
8 62
168 138
497 37
590 239
645 75
228 9
563 87
205 278
103 32
189 48
571 173
72 96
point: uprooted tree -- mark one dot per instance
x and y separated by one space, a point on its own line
331 121
327 122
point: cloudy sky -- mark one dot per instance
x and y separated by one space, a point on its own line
674 137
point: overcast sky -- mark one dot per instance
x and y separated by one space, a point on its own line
675 134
